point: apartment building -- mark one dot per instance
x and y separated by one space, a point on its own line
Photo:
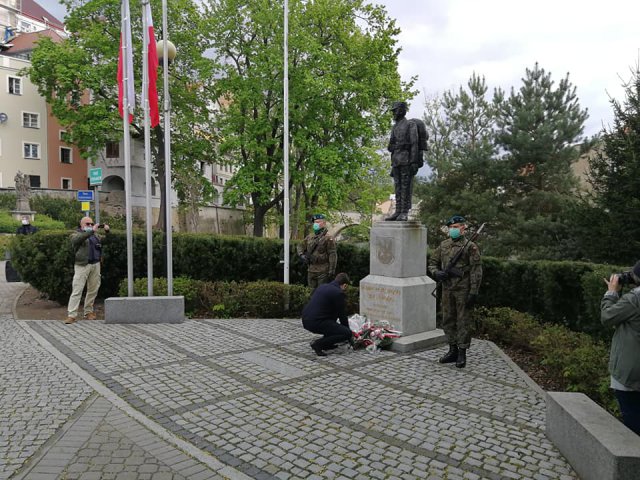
31 138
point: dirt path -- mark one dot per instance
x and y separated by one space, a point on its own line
32 305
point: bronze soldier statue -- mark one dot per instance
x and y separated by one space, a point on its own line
318 252
408 140
460 286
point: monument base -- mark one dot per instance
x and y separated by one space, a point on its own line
144 310
18 214
406 303
419 341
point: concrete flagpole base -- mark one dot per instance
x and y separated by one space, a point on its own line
144 309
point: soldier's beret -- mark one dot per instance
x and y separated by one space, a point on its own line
318 216
396 105
456 219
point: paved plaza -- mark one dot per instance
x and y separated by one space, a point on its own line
245 398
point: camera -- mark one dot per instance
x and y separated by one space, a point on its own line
625 278
101 225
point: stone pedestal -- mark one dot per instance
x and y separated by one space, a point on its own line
144 309
18 214
397 288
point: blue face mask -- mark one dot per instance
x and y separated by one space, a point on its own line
454 233
316 227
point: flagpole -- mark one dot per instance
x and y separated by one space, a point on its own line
167 149
126 111
286 142
147 144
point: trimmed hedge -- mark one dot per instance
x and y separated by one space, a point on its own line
46 260
261 299
566 293
9 224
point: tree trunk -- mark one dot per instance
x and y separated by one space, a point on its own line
160 169
259 211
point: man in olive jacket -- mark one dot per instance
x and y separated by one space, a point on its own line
86 270
623 313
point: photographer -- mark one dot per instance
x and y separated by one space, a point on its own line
623 313
86 270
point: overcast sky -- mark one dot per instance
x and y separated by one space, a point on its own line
444 41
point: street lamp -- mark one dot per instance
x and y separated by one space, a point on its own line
171 51
166 53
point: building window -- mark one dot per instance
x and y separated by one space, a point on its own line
113 150
66 183
15 86
153 188
65 155
31 150
30 120
61 135
34 181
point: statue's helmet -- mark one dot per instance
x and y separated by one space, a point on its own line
398 105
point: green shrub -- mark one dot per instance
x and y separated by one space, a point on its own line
7 201
508 326
5 240
9 224
186 287
573 360
578 361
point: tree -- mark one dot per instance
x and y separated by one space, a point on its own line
464 179
614 175
84 66
343 74
540 137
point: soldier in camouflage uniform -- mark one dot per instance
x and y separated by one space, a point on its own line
318 251
460 286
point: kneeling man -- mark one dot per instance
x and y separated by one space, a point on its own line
328 304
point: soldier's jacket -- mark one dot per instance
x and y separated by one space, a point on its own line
470 263
403 143
320 249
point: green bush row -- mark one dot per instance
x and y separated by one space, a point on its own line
46 260
565 293
9 224
261 299
574 360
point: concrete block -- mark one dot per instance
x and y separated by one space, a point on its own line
596 444
144 310
406 303
419 341
398 249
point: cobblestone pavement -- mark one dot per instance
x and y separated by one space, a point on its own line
242 398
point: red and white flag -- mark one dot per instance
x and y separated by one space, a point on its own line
152 56
125 64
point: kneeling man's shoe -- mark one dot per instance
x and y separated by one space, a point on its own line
70 320
318 350
461 362
90 316
451 356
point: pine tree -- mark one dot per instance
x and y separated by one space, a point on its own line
614 174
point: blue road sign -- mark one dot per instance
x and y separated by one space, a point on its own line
85 196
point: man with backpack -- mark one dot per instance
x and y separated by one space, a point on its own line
408 141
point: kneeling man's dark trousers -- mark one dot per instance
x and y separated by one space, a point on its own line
333 332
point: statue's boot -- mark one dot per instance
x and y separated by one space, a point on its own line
394 216
403 217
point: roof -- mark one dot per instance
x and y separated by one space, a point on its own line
32 9
25 42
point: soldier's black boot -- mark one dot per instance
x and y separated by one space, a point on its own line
451 356
462 358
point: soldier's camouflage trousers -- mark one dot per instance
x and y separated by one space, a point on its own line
314 279
456 319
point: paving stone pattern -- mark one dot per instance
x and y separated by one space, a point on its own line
253 394
38 394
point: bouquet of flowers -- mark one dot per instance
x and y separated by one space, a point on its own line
371 336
